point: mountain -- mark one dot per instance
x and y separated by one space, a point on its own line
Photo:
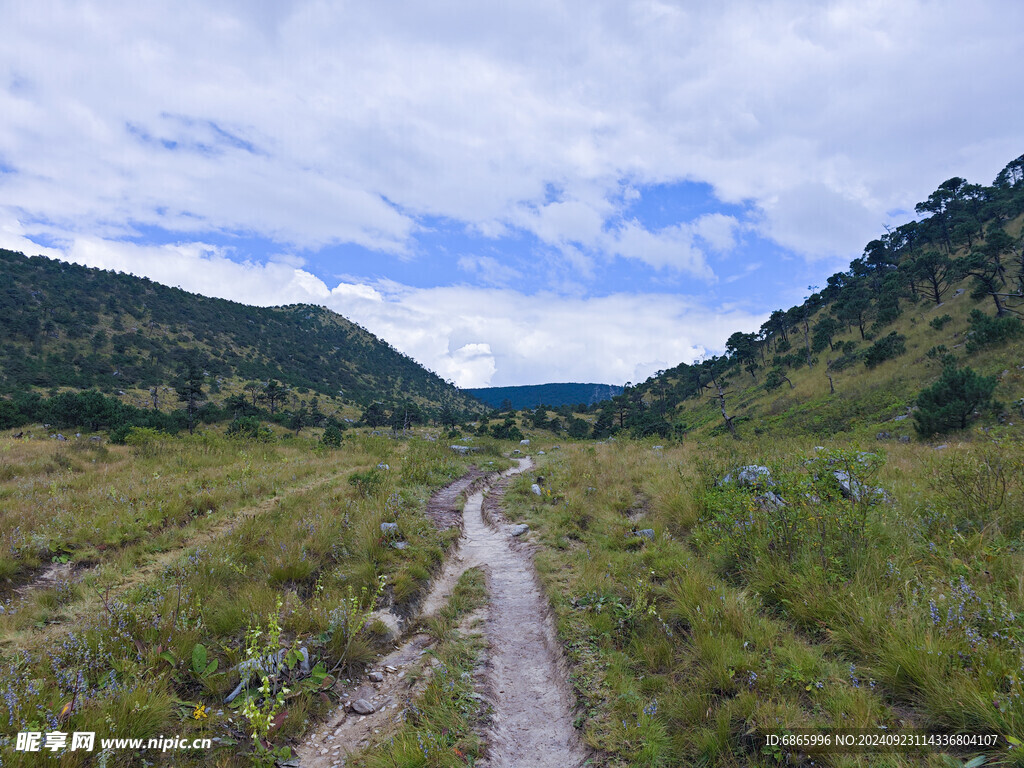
555 395
943 292
64 325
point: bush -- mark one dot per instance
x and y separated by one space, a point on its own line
507 430
331 436
885 348
367 483
249 428
989 331
949 402
938 322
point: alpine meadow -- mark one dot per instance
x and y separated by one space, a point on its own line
540 385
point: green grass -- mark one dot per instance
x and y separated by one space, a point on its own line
287 536
689 648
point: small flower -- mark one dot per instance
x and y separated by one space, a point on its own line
200 713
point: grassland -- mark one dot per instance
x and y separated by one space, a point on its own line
183 557
740 618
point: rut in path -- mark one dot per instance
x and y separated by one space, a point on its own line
531 723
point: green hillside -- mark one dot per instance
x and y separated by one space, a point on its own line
68 326
944 293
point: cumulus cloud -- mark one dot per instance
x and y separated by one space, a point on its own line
313 123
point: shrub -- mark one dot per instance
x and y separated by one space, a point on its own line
938 322
249 428
949 402
507 430
989 331
367 483
885 348
331 436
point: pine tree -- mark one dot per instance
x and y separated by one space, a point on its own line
949 402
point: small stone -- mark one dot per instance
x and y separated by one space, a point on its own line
362 707
751 476
389 529
524 442
391 669
535 489
519 530
400 545
323 751
646 533
376 677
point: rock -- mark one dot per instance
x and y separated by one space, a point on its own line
362 707
389 529
904 438
645 533
658 448
902 417
540 453
516 452
770 501
399 545
391 669
382 465
749 477
941 447
376 677
61 438
883 436
524 442
853 489
272 665
462 450
535 489
519 530
957 292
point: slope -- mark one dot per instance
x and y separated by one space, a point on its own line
64 325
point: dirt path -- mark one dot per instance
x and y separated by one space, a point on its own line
528 688
526 684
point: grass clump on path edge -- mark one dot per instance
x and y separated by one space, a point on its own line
440 729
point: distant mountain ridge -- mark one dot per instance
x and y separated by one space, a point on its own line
532 395
65 325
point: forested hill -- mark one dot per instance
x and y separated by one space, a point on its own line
64 325
933 301
555 395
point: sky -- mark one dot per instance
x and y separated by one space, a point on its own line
510 193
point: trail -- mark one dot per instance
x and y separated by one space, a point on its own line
526 683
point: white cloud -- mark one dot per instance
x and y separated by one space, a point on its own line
488 269
321 122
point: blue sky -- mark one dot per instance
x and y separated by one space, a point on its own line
511 194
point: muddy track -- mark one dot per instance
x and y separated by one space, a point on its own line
525 680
